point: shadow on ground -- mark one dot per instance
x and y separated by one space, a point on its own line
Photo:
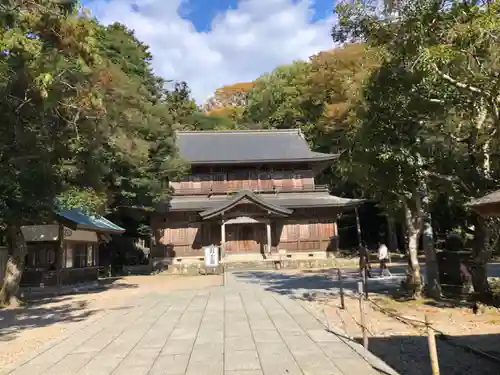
52 293
409 355
321 283
34 315
42 310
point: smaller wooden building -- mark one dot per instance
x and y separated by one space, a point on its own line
67 252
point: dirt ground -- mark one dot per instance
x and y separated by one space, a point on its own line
26 328
404 346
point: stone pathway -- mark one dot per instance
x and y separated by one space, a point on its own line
239 329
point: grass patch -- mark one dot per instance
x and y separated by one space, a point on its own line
494 284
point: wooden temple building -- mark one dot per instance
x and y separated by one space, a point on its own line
253 192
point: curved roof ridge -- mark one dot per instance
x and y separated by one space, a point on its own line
227 205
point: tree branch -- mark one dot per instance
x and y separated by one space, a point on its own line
455 82
435 100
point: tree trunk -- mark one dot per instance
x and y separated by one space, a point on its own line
481 255
432 287
15 266
413 282
422 205
392 241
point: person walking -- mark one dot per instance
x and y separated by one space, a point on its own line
364 260
383 257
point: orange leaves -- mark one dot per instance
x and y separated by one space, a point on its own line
336 110
231 96
102 78
234 88
338 75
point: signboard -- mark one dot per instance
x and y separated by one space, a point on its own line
211 256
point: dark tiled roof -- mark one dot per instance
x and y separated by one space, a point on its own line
249 195
246 146
289 201
492 198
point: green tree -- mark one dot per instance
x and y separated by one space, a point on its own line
275 100
451 51
48 84
389 154
182 107
83 128
335 87
140 156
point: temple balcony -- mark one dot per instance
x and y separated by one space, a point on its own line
226 190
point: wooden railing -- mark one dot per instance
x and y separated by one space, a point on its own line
215 190
68 276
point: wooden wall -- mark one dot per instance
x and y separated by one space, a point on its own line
181 239
246 179
181 235
306 235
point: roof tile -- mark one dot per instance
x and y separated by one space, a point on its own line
246 146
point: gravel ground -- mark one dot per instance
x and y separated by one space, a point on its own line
405 348
26 328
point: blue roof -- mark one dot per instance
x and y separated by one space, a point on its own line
89 222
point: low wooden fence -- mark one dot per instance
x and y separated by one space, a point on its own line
67 276
4 256
425 326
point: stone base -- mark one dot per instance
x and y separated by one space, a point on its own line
252 261
144 269
277 264
191 269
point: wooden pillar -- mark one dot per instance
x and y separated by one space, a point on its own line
336 244
59 254
223 233
268 228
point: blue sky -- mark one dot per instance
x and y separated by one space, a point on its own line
212 43
202 12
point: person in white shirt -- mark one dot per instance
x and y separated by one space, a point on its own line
383 257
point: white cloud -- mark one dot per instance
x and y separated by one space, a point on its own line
243 43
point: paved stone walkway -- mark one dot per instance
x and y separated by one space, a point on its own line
239 329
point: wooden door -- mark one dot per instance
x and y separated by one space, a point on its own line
245 237
246 241
231 238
